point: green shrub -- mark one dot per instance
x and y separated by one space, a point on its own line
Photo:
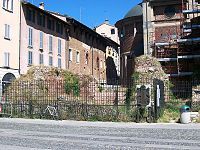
101 88
71 84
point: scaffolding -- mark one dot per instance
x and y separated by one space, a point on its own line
188 45
180 52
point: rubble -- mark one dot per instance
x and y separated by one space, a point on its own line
149 67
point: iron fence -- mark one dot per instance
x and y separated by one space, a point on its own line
97 100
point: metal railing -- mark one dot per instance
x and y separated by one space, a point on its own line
92 100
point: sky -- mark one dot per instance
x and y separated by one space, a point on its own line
90 12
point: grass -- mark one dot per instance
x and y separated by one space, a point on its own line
171 112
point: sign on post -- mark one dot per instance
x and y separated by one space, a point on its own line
158 95
143 95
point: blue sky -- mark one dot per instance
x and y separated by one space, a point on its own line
90 12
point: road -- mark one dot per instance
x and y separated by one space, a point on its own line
26 134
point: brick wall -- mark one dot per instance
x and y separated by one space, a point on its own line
167 33
92 54
159 13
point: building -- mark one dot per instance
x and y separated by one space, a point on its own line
9 39
87 51
171 36
33 36
42 39
131 40
170 33
112 52
107 30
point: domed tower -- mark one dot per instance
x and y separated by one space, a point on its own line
130 30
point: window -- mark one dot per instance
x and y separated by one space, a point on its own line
77 57
50 24
59 63
112 31
169 11
41 19
101 64
41 59
6 59
59 47
30 37
30 58
41 40
97 62
50 61
122 32
8 5
70 55
86 58
50 44
30 15
7 31
59 28
4 3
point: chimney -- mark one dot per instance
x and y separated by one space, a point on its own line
41 5
106 21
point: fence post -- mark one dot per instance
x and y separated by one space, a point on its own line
30 109
116 102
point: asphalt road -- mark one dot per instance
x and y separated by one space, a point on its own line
22 134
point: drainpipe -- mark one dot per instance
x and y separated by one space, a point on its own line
92 59
147 30
20 38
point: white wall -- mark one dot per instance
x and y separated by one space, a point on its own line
11 46
105 30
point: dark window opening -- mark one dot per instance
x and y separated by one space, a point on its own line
87 58
112 31
97 62
44 21
59 27
30 15
41 19
169 11
50 24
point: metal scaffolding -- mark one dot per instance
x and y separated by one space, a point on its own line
180 52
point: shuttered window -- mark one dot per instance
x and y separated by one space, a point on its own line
30 37
7 31
6 59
